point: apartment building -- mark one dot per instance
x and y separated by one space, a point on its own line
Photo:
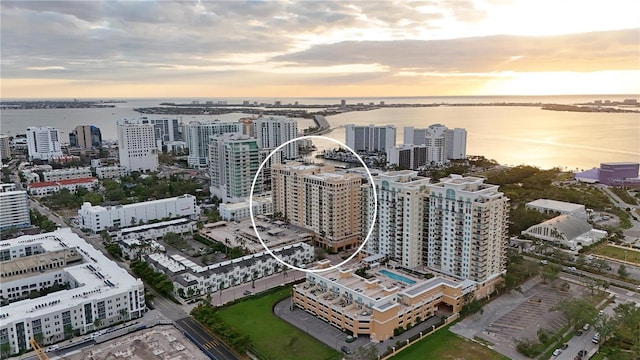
443 144
85 137
137 147
97 292
370 138
66 174
467 228
408 156
191 278
197 136
5 147
142 239
43 143
272 132
262 205
399 231
320 199
111 172
14 207
98 218
234 160
51 187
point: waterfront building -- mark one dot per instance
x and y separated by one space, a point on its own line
66 174
443 144
370 138
85 137
262 205
14 207
197 136
233 163
319 199
166 130
111 172
408 156
137 148
272 132
614 173
94 291
467 229
43 143
98 218
45 188
399 232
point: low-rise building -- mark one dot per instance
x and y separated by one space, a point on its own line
191 278
94 292
560 207
239 211
51 187
141 239
98 218
67 174
378 305
111 172
14 207
567 230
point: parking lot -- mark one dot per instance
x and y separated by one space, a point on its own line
516 316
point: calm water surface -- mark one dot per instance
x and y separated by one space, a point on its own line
511 135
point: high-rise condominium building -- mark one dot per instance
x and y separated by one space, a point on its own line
408 156
233 162
272 132
442 143
137 147
14 207
5 147
467 228
370 138
197 136
399 231
165 129
43 142
319 199
85 137
457 226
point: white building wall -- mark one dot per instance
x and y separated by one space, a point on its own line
239 211
111 172
456 143
197 137
273 132
66 174
14 207
137 148
43 142
98 218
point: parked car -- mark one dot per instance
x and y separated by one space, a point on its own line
579 332
586 327
582 353
345 349
247 292
564 346
557 352
351 339
596 338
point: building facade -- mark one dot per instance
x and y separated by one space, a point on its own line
111 172
321 200
197 136
262 205
443 144
399 231
5 147
66 174
615 172
98 218
370 138
273 132
137 148
412 157
43 142
51 187
85 137
233 163
467 228
96 292
14 207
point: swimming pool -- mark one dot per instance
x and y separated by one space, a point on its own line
395 276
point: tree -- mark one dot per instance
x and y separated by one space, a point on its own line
599 264
550 272
97 323
577 311
181 292
605 325
622 271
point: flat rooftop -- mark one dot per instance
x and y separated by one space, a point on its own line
21 267
556 205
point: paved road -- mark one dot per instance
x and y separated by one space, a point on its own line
209 344
632 234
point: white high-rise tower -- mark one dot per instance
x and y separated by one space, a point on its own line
137 147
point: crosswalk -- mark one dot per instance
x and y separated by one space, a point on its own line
210 344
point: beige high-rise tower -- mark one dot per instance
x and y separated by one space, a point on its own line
320 199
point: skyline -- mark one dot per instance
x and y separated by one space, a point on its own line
317 49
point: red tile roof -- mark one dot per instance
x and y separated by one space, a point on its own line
62 182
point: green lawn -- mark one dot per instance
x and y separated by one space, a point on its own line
272 337
618 253
446 345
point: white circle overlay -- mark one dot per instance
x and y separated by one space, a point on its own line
375 205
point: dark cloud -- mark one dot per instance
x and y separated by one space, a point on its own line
611 50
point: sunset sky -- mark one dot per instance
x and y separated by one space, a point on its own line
79 49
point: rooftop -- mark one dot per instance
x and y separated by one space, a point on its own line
556 205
